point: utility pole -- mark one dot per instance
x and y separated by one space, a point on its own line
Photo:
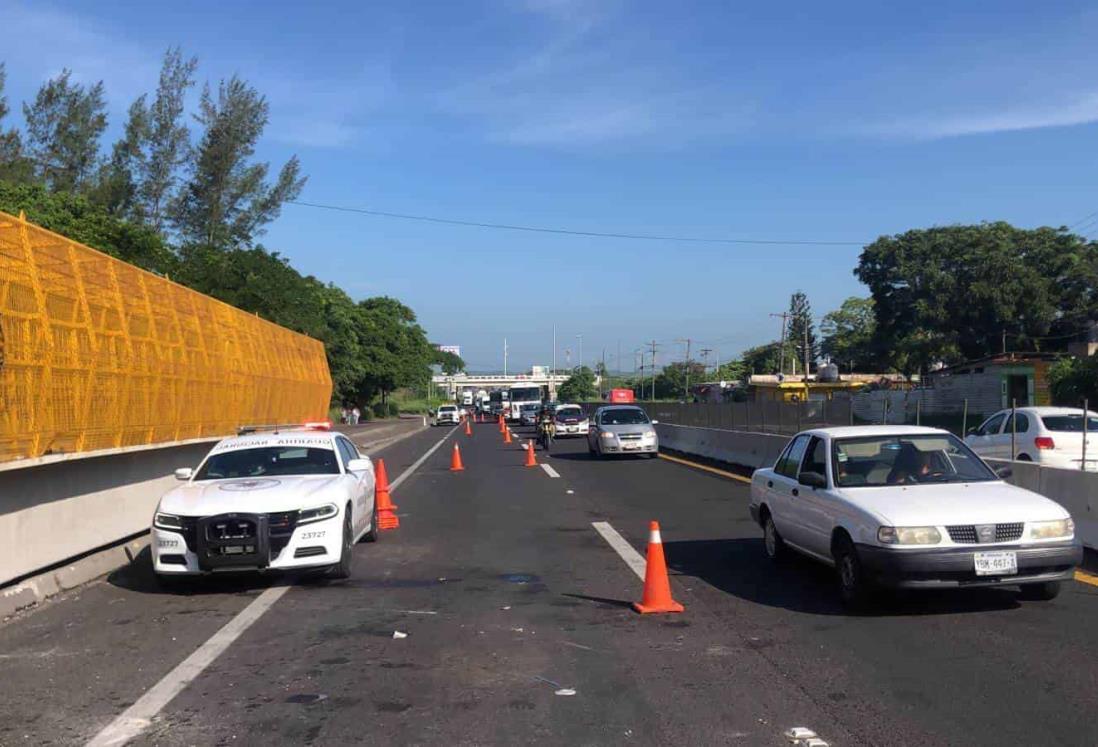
653 371
806 360
781 351
504 356
604 376
1004 341
686 390
705 359
554 349
580 338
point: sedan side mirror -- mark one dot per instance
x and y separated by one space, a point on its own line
184 473
359 465
971 432
1004 472
812 480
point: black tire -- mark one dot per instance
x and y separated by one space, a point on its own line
1042 592
1024 458
773 544
373 534
590 448
342 569
854 588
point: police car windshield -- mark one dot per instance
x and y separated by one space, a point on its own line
269 461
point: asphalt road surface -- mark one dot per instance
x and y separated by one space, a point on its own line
518 631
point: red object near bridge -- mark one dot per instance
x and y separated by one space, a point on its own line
621 396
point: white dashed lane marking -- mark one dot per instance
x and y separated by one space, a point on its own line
632 558
549 470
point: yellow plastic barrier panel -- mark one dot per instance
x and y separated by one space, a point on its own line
98 354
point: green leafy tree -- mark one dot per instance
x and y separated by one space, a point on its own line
762 359
78 219
450 362
950 293
116 188
14 166
1073 380
228 200
848 333
735 370
800 332
671 381
64 125
579 387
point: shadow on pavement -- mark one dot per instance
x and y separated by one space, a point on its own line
138 576
602 601
739 567
584 456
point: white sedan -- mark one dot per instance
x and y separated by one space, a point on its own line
1051 436
262 501
571 421
910 507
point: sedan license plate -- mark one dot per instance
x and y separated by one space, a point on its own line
996 563
630 446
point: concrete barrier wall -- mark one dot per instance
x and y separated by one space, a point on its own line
53 512
735 447
1075 490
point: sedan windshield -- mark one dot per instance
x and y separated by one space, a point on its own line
625 416
905 460
1070 423
569 413
269 461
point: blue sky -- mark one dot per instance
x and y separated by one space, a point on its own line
793 121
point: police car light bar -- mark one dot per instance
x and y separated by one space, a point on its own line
316 425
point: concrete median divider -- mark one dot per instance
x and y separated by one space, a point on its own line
72 517
735 447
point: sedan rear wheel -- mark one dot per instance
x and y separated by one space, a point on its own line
372 535
772 541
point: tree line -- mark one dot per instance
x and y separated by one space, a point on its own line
192 206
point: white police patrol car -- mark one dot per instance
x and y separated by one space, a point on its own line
276 500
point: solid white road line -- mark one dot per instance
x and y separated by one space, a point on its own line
632 558
138 716
549 470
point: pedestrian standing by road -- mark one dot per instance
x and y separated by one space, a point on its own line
355 415
343 415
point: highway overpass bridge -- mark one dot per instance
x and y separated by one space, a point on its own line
460 382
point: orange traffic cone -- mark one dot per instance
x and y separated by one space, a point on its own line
506 436
386 517
468 429
455 460
381 480
502 425
657 588
531 460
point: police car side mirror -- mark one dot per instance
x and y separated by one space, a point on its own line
184 473
358 465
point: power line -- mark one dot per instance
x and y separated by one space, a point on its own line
570 232
1082 220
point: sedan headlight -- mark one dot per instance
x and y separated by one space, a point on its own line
1040 530
607 435
167 521
909 535
320 513
649 434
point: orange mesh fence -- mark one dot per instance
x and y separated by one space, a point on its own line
97 354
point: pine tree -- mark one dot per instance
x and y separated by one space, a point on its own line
14 167
227 200
64 125
168 137
800 321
